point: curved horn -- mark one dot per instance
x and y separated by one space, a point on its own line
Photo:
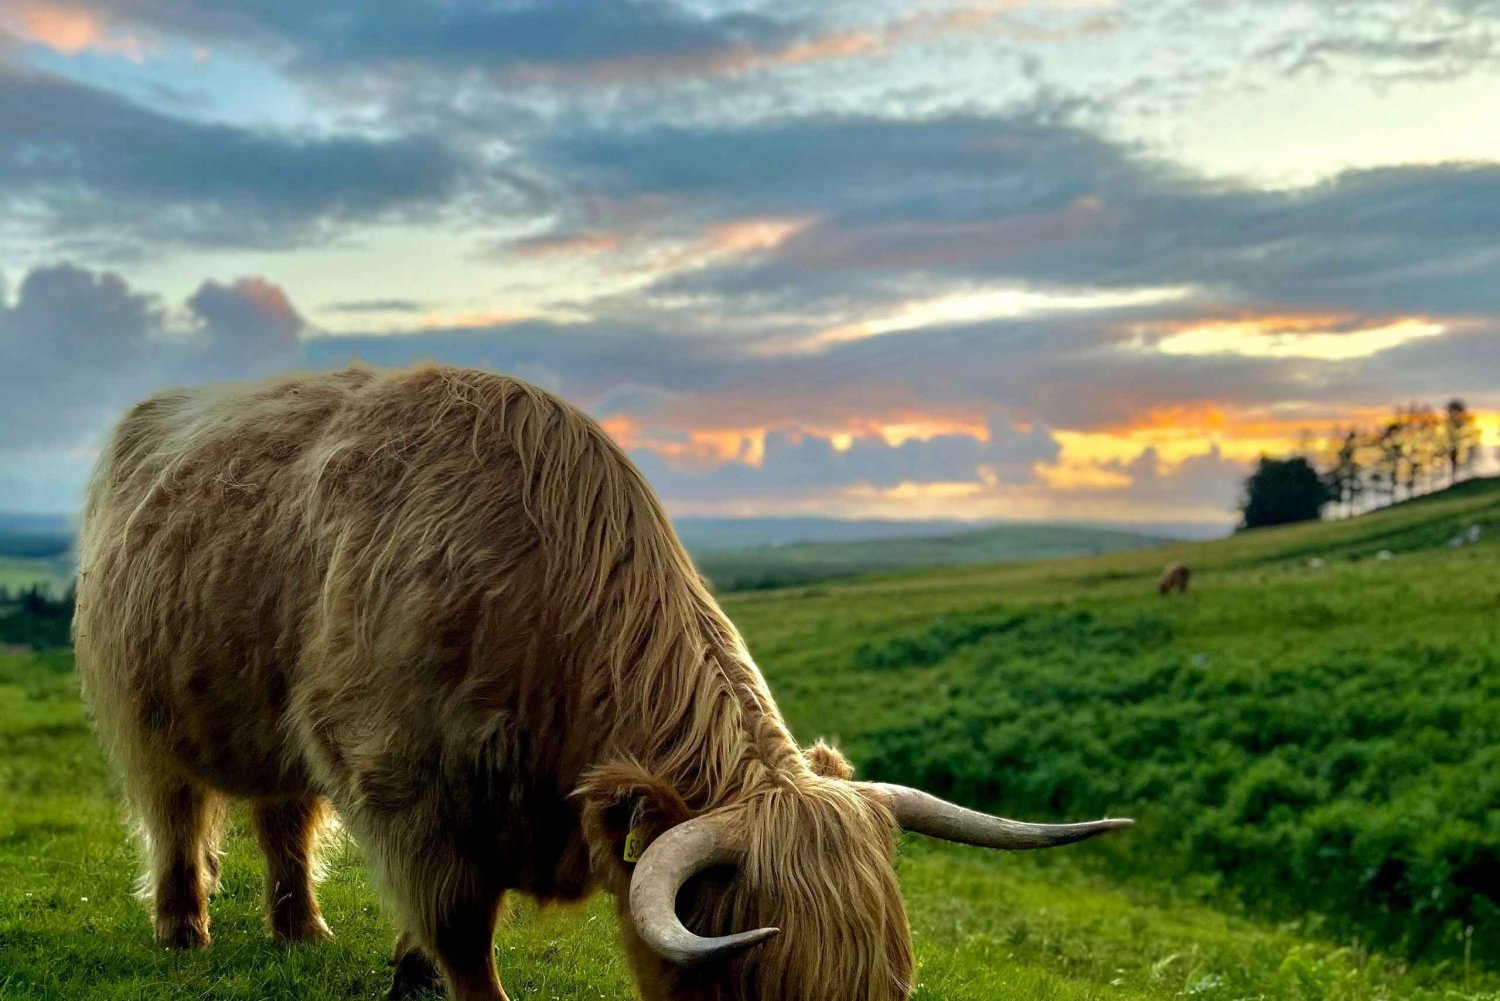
673 859
926 814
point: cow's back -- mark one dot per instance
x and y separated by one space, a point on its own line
286 583
197 576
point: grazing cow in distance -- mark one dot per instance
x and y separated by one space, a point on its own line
446 604
1174 579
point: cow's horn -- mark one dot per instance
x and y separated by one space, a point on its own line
925 814
669 862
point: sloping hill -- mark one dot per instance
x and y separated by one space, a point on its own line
779 566
1314 728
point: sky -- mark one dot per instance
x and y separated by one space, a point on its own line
1045 260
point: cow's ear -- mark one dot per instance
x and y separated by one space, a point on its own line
625 808
825 760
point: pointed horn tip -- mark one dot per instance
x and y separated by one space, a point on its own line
760 935
749 939
1114 824
722 949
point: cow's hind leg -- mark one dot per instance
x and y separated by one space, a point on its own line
412 970
288 834
181 822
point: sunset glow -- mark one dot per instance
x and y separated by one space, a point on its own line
1294 337
996 304
71 30
980 259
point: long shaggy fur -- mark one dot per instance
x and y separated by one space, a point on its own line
446 601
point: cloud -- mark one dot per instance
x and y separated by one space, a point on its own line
88 167
70 29
77 346
1084 372
794 464
374 306
988 416
587 37
965 199
1207 480
68 335
247 325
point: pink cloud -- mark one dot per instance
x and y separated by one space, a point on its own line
72 29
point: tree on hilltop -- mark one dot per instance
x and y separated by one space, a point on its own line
1283 491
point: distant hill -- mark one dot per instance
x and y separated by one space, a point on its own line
799 563
737 553
36 549
41 524
712 535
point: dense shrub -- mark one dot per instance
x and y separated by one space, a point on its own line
1358 781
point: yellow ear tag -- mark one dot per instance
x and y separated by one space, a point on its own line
635 844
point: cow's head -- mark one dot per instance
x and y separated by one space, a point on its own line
787 894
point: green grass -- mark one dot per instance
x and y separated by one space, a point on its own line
762 567
1362 692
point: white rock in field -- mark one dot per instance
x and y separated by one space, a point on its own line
1473 533
1316 563
1384 554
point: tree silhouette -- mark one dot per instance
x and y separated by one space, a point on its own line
1283 491
1418 450
1459 439
1345 476
1390 459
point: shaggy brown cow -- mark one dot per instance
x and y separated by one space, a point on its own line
445 602
1174 580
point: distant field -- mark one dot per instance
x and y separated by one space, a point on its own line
780 566
19 572
35 549
1312 751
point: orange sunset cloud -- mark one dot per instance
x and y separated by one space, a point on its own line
71 30
1322 337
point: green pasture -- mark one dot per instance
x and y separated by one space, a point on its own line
1310 740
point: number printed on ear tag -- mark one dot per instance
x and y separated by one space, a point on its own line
635 844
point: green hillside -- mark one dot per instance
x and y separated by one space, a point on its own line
1315 727
1310 741
763 567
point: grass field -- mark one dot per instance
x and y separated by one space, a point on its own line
1313 753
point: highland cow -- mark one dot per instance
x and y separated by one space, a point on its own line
446 605
1174 580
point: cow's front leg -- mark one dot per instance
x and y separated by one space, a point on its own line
464 947
413 971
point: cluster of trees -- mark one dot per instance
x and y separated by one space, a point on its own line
32 617
1417 451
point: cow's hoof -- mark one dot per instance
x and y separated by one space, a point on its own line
182 933
312 929
413 974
